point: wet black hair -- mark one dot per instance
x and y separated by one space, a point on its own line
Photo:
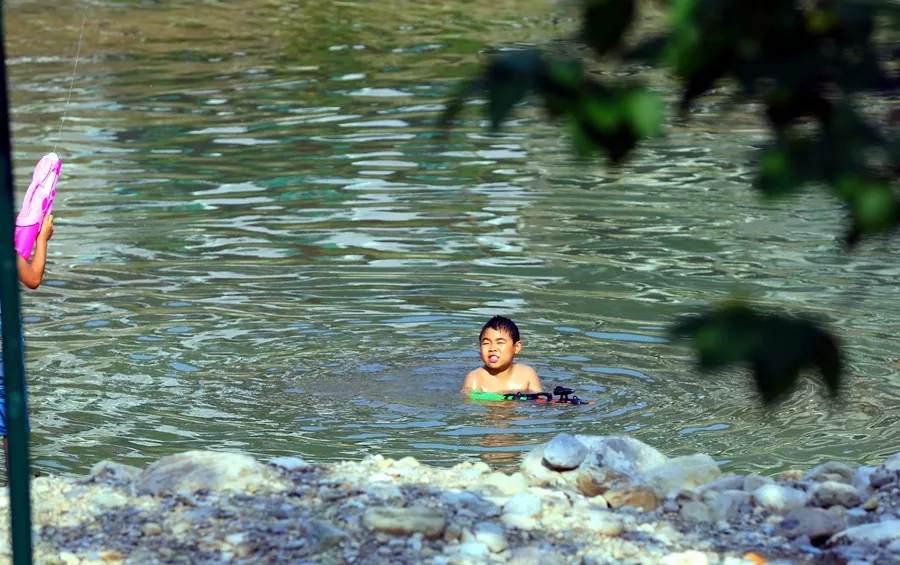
501 324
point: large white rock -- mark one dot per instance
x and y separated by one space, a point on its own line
681 473
621 454
191 471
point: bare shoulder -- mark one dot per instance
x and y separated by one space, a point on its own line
471 381
525 370
475 373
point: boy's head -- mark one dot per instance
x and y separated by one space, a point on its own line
502 325
499 343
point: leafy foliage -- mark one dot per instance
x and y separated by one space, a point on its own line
599 118
776 348
806 61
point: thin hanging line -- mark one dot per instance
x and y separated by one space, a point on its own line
72 81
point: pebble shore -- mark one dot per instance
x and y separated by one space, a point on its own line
588 500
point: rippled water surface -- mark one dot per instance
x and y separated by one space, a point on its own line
262 244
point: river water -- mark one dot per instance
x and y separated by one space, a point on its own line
262 244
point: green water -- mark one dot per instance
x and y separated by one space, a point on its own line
262 244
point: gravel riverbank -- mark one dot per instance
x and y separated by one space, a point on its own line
577 499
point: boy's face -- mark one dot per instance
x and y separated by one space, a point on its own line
498 349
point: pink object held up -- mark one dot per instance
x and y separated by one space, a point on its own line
38 202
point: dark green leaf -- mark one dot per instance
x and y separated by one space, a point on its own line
509 78
605 23
776 348
458 101
649 52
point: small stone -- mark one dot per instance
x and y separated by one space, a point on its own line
685 558
871 534
639 497
235 539
474 549
508 485
593 482
519 522
564 452
604 523
671 506
112 471
290 464
815 523
405 521
778 498
754 481
151 529
832 471
731 482
68 558
492 535
697 512
880 478
415 543
536 472
523 504
110 556
326 535
452 533
831 493
533 556
893 547
790 476
109 499
408 461
856 517
871 503
726 505
860 479
892 463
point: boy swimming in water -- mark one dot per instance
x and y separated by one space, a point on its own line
499 344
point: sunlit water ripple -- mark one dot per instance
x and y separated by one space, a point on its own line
263 244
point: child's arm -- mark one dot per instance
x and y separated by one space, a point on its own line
31 274
534 382
469 384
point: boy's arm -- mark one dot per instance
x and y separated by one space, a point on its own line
469 384
534 382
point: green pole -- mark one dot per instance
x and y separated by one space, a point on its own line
13 355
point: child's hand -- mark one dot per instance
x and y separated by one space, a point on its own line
46 229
